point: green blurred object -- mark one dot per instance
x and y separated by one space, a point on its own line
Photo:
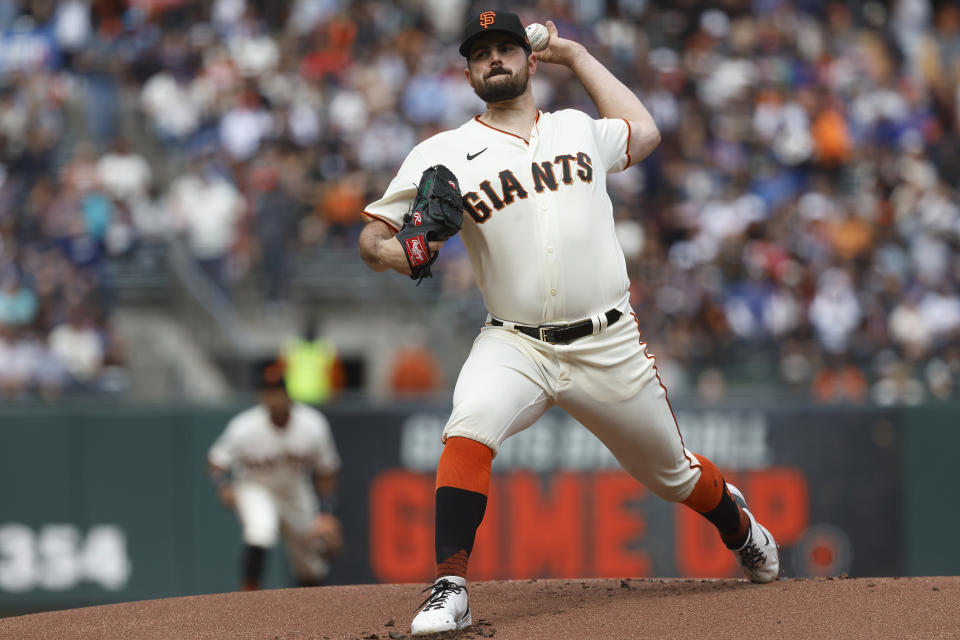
310 370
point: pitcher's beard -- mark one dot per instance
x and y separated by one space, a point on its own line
500 90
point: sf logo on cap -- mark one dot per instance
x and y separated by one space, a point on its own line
487 18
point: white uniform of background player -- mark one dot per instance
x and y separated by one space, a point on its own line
278 471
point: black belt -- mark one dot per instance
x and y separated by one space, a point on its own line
562 333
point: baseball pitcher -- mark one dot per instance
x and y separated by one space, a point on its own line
276 465
539 230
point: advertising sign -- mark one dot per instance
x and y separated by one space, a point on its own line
560 506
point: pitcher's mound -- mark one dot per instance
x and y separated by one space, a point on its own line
536 609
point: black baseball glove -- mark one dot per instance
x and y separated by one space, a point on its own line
436 213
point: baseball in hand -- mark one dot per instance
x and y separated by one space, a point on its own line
538 35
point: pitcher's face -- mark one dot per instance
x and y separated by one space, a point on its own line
498 68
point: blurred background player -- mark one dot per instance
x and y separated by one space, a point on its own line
276 464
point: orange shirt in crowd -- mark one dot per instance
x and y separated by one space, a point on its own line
343 202
851 237
842 384
831 137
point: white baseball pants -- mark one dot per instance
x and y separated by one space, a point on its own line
606 381
266 513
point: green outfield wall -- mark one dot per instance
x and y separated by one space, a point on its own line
105 502
931 510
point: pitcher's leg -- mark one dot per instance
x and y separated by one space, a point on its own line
711 499
643 435
501 391
463 482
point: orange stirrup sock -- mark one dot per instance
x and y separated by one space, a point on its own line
465 464
711 499
707 492
463 480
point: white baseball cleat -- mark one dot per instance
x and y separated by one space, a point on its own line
445 609
759 557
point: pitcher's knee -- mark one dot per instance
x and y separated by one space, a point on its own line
673 487
471 420
475 432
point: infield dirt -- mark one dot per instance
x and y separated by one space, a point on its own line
534 610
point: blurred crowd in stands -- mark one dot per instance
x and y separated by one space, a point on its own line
799 223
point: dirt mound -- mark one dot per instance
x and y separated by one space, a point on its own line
536 609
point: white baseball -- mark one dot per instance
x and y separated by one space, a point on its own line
538 36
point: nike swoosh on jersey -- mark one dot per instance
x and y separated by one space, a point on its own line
471 157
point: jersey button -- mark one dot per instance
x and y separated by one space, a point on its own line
553 292
549 249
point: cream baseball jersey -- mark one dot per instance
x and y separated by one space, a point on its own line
538 223
277 457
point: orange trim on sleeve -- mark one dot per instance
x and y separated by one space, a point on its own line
465 464
629 135
379 219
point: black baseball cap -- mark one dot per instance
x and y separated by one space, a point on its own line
269 374
493 21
